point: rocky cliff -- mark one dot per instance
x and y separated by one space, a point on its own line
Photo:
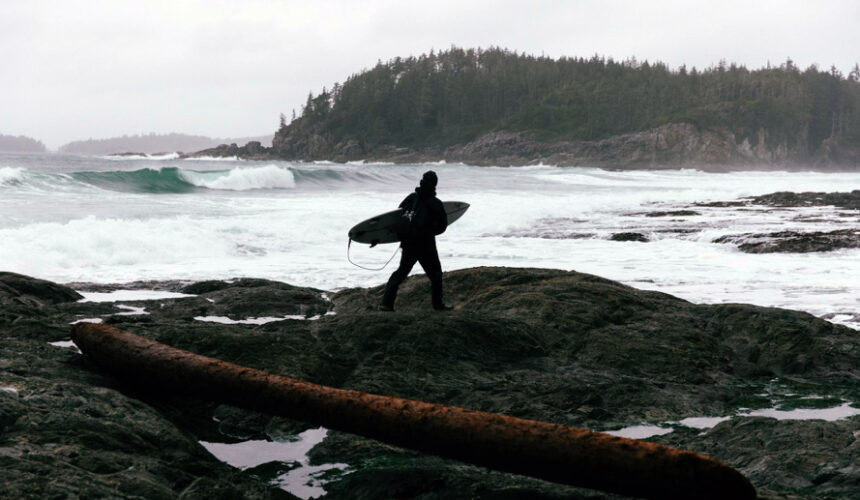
674 145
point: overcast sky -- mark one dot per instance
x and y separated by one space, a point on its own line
80 69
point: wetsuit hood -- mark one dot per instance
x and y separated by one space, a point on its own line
427 186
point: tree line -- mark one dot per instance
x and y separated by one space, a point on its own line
453 96
152 143
20 144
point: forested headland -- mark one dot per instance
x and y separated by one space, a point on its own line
459 103
20 144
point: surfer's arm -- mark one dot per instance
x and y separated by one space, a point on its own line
407 202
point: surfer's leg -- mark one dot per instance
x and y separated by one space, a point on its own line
408 257
429 260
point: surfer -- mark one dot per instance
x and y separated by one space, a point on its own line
427 219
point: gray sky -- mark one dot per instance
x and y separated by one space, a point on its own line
80 69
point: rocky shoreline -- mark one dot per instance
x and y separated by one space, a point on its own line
846 205
671 146
550 345
810 217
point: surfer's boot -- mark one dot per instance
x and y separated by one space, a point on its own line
443 307
383 307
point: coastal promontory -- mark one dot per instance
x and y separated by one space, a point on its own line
497 107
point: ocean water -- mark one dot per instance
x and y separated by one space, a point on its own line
109 220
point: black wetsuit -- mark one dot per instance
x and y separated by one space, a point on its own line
431 220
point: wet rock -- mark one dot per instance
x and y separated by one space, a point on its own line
629 237
23 301
550 345
793 241
826 467
849 201
789 199
161 285
32 289
67 432
722 204
673 213
243 298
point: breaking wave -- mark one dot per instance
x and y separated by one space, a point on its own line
242 179
11 176
185 180
178 180
144 156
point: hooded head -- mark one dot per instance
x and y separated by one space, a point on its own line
427 187
429 179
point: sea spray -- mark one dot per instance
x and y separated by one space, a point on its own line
11 176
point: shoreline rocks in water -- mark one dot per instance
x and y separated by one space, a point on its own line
818 211
794 241
849 201
629 237
550 345
799 241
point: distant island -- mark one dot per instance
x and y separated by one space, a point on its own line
20 144
497 107
152 143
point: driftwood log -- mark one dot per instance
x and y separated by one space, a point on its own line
553 452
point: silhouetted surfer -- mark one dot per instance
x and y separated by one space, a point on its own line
418 240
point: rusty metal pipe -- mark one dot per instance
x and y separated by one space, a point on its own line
553 452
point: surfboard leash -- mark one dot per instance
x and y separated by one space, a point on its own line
349 258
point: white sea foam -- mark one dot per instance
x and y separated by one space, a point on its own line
242 179
11 175
166 156
8 388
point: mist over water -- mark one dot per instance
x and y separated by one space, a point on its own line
71 218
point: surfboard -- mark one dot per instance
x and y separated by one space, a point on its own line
380 229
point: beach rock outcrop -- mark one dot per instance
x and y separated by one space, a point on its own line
34 290
66 431
550 345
